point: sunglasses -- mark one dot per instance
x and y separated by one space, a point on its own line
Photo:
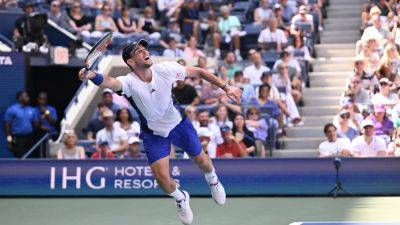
345 116
384 84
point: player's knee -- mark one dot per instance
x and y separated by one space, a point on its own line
162 178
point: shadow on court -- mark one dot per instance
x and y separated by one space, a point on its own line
161 211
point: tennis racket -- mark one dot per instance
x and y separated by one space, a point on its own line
97 50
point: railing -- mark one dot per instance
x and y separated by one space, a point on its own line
41 144
6 41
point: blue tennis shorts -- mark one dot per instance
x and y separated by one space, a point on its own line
183 136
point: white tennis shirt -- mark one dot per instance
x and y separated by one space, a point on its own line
153 100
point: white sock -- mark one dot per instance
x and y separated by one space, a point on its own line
237 52
177 195
211 177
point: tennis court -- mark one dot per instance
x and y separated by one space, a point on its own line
161 211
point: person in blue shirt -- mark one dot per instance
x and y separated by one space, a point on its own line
18 124
108 101
45 116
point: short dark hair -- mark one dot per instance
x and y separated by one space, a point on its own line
327 126
19 94
265 74
238 73
202 111
119 111
101 104
263 86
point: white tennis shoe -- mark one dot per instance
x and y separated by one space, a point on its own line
185 214
218 193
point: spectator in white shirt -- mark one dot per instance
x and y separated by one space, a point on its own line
393 148
253 73
368 145
272 34
115 136
376 30
301 20
385 96
263 13
333 146
215 138
125 121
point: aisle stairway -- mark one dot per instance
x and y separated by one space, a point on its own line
332 66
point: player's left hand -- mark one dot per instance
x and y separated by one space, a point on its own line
233 93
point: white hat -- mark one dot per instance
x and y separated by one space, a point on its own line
133 139
384 80
108 113
108 90
367 122
303 9
203 132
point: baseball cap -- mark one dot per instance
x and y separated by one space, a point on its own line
277 6
359 58
224 128
108 90
379 108
203 132
303 9
108 113
131 47
384 80
103 143
367 122
133 140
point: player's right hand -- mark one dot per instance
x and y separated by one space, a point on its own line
86 74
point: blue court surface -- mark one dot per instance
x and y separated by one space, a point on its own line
237 211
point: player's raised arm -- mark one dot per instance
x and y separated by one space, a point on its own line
104 81
233 93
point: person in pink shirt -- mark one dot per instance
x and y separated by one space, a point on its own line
191 50
383 126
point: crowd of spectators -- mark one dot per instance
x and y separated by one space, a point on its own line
263 47
368 122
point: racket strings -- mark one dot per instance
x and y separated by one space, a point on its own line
98 50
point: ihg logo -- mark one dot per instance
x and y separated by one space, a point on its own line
74 175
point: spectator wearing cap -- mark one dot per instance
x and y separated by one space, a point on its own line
96 123
393 148
334 146
230 148
385 96
204 135
115 136
300 20
21 22
58 16
263 13
185 94
368 145
259 127
253 72
282 22
382 125
191 51
104 22
355 91
133 150
18 124
172 50
125 121
243 134
70 150
272 34
108 101
376 30
344 130
45 116
103 151
203 118
228 29
248 89
355 116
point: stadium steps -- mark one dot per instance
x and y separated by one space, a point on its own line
330 71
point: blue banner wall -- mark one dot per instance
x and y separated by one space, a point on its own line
375 176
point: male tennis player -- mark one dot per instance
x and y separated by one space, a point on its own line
149 89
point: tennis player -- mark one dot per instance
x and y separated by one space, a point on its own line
149 90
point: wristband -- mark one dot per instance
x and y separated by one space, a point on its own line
98 79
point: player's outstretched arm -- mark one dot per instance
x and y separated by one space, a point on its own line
103 81
233 93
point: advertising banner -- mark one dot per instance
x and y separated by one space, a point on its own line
239 176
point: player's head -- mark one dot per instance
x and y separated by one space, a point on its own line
135 55
42 98
23 97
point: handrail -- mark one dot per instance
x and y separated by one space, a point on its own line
67 33
33 148
6 41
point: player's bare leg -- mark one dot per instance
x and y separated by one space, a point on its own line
160 169
203 161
